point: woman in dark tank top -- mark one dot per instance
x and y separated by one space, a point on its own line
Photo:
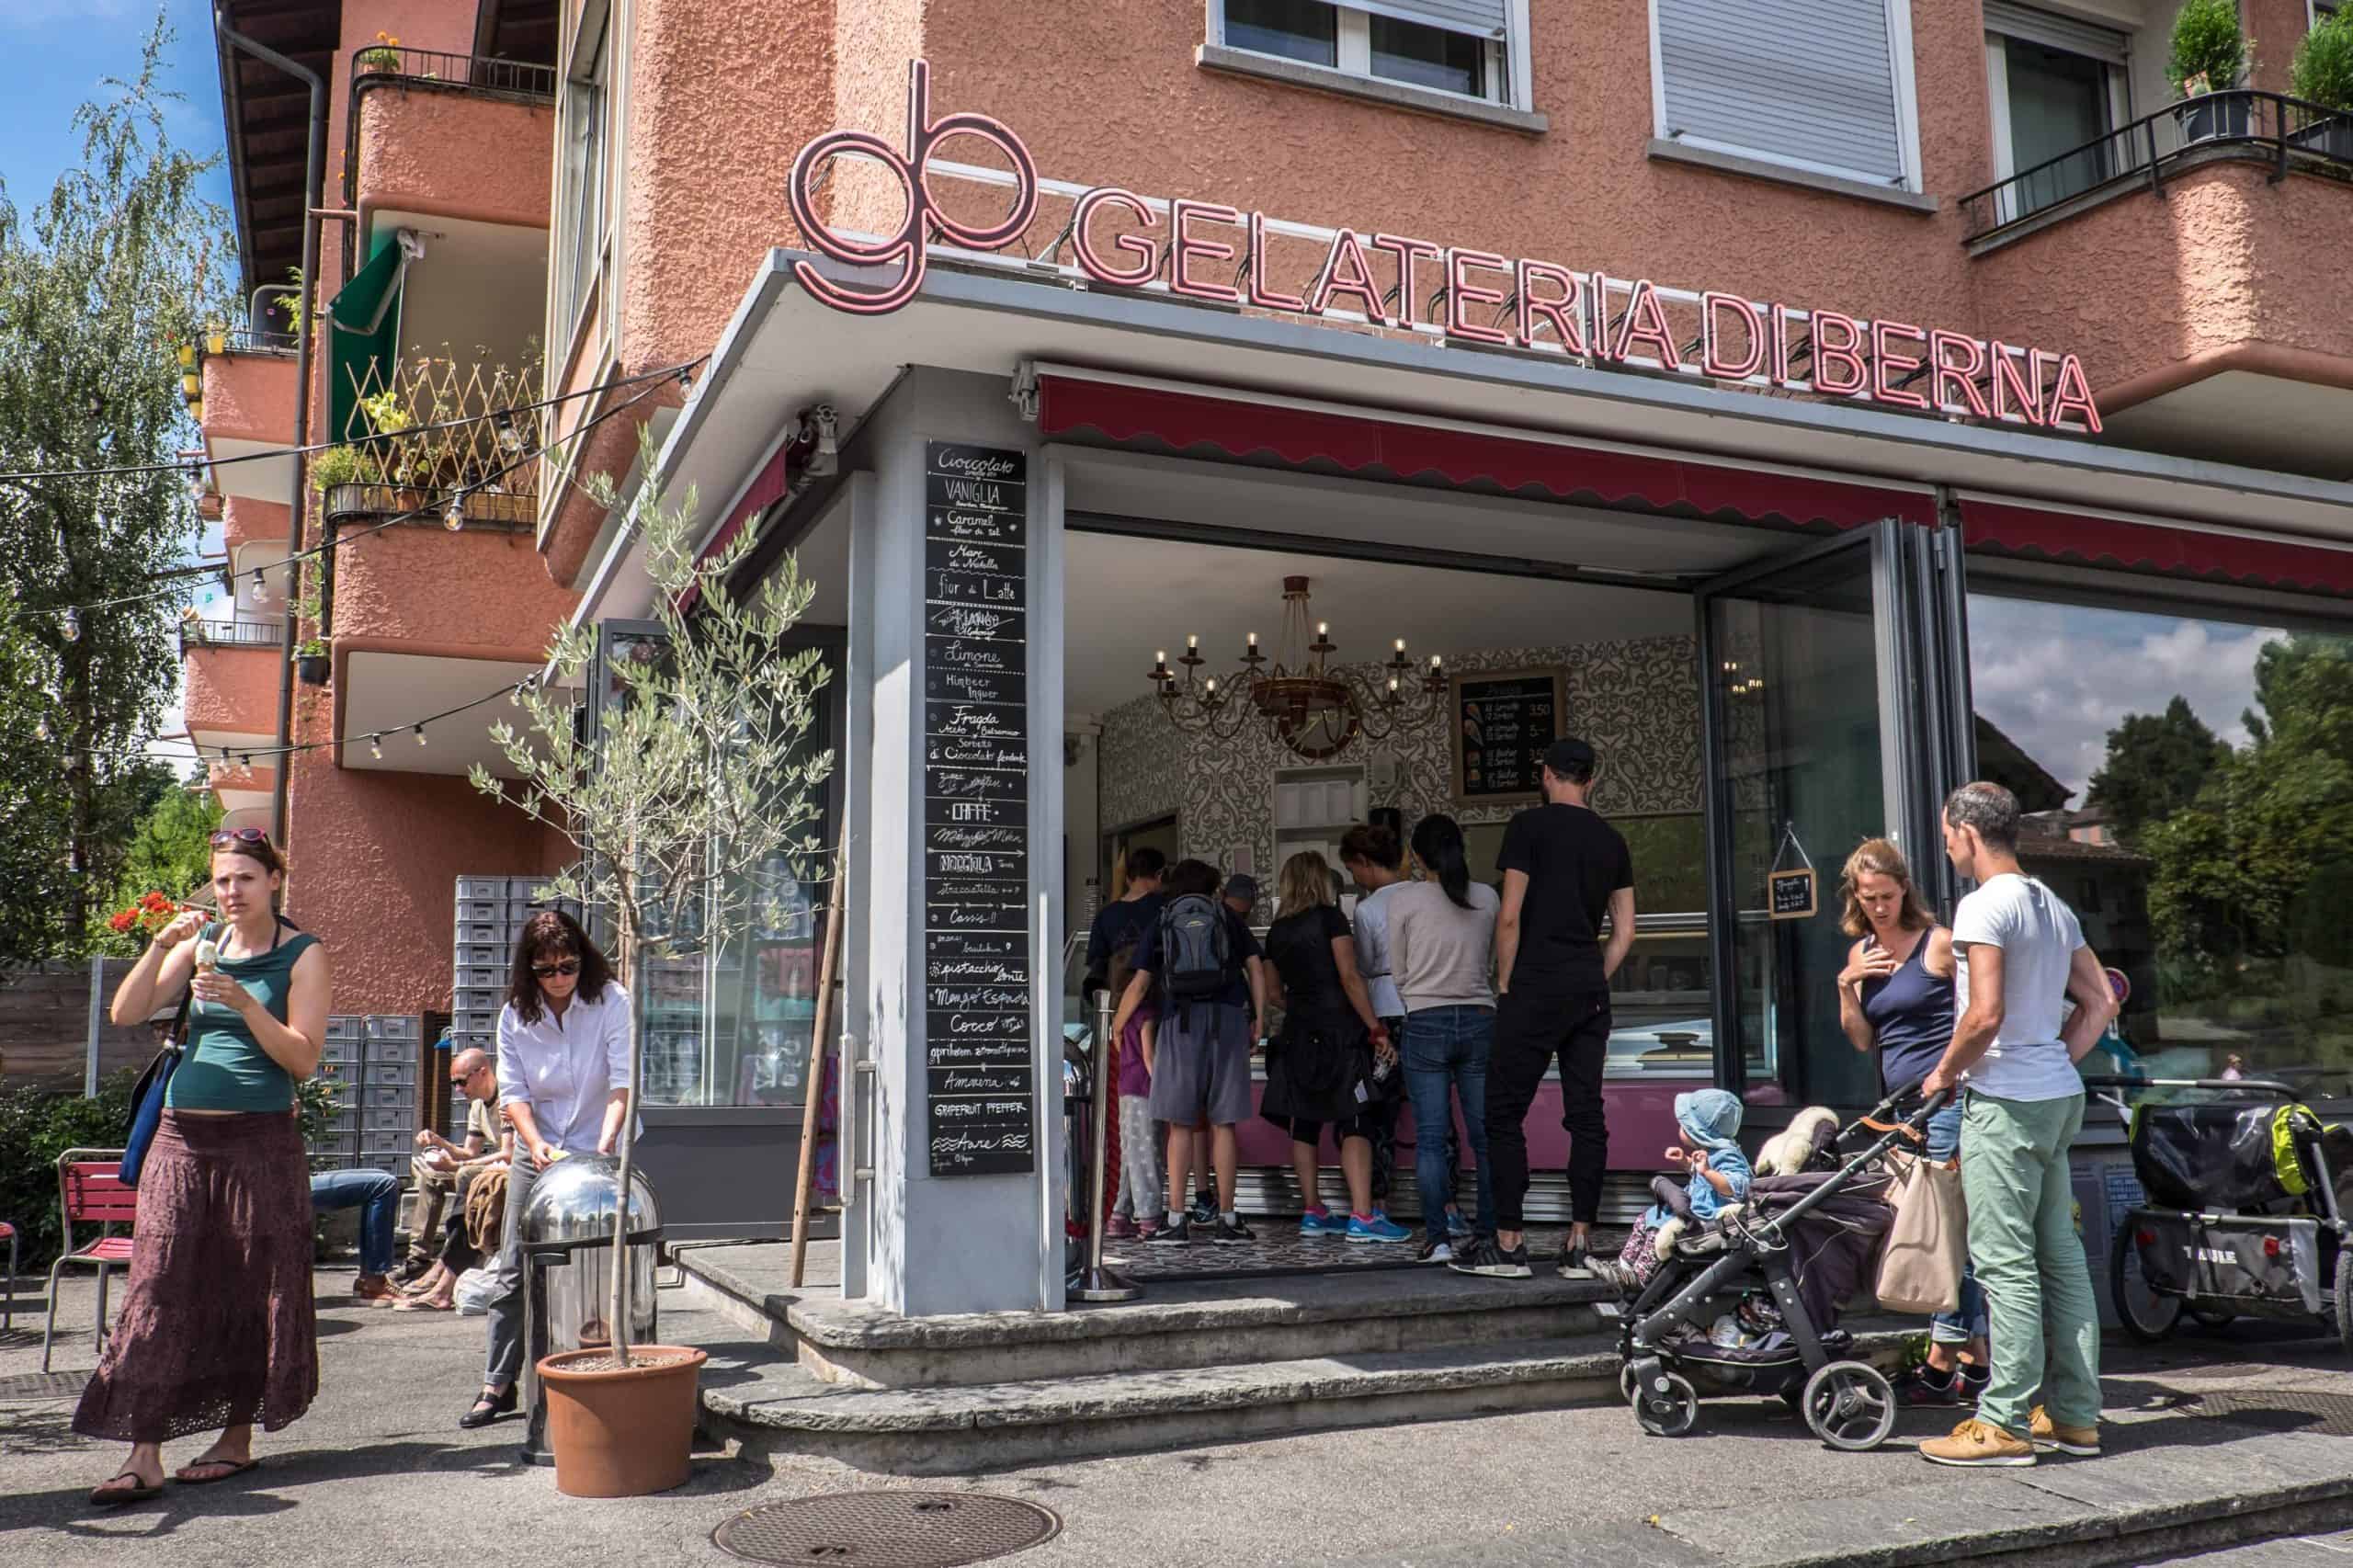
1895 996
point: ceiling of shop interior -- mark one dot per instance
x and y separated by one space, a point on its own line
1125 598
478 293
2238 417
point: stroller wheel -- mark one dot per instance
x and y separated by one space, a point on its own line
1849 1405
1668 1408
2146 1315
1626 1382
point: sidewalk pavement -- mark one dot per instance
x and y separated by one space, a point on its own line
379 1470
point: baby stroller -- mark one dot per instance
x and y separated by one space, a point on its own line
1750 1304
2244 1214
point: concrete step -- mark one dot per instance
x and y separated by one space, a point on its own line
1173 1327
776 1408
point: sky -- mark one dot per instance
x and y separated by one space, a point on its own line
58 54
2056 678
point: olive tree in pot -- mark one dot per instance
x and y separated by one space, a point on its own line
688 806
2209 49
2322 73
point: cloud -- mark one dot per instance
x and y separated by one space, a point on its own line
2056 678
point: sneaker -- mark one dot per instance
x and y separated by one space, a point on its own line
1203 1211
1120 1228
1489 1259
1458 1229
1921 1386
1232 1233
1176 1235
1435 1252
1320 1221
1576 1263
1379 1227
1975 1444
1615 1275
2048 1436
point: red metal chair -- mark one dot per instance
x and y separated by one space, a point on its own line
90 1191
8 1300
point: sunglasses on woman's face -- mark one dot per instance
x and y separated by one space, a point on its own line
566 967
229 835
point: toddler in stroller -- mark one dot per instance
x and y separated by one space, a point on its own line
1751 1303
1709 1121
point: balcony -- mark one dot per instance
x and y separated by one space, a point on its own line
230 673
2193 260
249 395
450 136
231 635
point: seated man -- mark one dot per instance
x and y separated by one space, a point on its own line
376 1194
436 1169
434 1290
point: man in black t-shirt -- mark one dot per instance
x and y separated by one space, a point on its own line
1565 869
1119 924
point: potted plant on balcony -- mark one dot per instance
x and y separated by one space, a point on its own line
2322 73
384 54
691 810
2208 61
312 662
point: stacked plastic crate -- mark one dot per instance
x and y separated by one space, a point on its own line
338 1148
491 914
388 1092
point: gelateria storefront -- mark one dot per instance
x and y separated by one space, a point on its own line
1044 518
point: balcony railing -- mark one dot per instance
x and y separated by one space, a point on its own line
2242 124
516 79
492 428
231 634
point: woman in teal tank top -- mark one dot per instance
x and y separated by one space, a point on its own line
217 1330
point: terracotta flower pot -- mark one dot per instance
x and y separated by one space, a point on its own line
621 1431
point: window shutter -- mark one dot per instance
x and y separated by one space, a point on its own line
1481 19
2087 39
1803 81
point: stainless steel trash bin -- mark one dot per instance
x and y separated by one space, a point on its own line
567 1232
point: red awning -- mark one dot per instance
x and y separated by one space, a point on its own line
1239 427
2035 533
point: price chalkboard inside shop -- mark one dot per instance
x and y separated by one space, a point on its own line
980 1075
1502 723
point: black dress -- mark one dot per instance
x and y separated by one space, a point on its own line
1316 1065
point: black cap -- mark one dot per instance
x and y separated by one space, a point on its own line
1569 756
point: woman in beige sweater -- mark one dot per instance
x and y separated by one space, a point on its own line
1442 954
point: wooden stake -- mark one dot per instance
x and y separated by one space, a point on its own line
819 1036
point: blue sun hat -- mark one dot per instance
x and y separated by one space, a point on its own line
1708 1118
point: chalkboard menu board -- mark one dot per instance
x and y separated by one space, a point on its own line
981 1079
1502 724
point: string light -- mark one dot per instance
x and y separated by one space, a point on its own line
420 735
70 628
453 515
376 747
43 731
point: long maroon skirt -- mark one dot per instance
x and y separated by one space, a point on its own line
216 1328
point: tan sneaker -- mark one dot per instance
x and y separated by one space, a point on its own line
1974 1444
2048 1435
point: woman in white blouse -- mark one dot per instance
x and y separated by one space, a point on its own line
562 1085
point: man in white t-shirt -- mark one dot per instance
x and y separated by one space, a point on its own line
2022 959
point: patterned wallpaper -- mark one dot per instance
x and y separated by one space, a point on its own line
1637 700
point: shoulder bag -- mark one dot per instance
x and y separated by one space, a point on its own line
1927 1246
147 1097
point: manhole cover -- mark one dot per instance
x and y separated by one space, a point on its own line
888 1530
43 1385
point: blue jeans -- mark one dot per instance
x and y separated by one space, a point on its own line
1447 1047
1969 1321
376 1195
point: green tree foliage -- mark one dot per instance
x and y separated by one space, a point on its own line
170 852
99 284
2156 764
698 782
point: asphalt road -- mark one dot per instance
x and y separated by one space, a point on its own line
379 1470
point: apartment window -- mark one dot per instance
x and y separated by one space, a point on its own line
1463 46
1820 86
586 158
2056 86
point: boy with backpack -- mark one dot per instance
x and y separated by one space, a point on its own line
1210 978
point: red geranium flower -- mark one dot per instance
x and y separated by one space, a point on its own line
122 921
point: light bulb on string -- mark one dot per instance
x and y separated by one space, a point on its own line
43 731
453 515
71 626
376 747
420 735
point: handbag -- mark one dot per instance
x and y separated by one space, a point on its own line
1927 1246
147 1097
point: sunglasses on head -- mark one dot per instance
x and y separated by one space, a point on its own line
562 966
233 836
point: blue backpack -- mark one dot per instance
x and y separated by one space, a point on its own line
1196 949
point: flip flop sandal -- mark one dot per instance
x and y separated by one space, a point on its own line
109 1495
227 1468
424 1304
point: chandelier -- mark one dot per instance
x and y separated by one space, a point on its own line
1313 706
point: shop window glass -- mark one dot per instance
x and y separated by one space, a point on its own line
2217 755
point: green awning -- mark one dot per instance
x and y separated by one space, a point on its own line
363 336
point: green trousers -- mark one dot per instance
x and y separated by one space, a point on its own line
2045 1320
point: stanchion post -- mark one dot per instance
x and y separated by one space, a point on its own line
1097 1283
